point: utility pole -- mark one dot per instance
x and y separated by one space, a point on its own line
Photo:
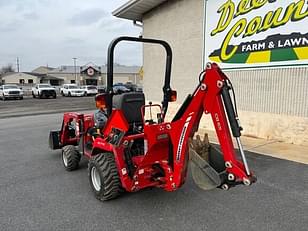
75 69
17 64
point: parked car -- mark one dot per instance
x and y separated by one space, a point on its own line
89 90
133 87
129 85
44 90
10 91
71 90
117 89
101 89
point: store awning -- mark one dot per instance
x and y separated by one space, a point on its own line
134 9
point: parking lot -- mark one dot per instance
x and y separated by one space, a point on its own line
38 194
31 106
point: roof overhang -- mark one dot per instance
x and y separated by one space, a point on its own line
135 9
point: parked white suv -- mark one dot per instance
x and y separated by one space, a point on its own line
10 91
43 90
90 90
71 90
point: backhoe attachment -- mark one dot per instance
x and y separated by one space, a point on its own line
212 167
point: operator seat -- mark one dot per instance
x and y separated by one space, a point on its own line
130 103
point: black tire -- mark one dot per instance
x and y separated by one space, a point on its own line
40 95
54 96
33 95
70 157
21 98
85 94
62 93
103 176
69 94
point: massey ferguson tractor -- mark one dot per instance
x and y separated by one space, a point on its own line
137 148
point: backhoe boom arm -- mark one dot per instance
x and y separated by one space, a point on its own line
211 97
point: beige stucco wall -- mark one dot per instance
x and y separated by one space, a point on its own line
177 22
268 108
14 78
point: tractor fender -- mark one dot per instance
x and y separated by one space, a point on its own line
100 145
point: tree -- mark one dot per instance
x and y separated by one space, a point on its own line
6 69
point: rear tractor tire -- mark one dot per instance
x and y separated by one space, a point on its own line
70 157
104 177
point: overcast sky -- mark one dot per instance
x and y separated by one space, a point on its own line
52 32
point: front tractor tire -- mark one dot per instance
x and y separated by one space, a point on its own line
70 157
104 177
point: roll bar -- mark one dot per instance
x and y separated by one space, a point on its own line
110 59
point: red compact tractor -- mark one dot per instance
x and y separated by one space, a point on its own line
133 152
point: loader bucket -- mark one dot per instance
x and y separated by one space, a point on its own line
54 140
207 164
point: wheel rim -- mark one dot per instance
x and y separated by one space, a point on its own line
96 180
65 160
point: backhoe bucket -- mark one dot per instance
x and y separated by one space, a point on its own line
207 164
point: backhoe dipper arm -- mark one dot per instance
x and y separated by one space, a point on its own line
211 97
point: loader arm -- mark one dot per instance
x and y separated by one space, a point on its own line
210 97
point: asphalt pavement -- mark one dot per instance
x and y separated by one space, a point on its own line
36 193
30 106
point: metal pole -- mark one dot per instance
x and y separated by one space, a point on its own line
239 144
17 64
75 69
203 58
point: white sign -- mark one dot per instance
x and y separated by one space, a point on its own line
252 33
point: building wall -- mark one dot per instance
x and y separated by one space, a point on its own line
67 77
272 103
118 77
14 78
42 70
123 78
178 22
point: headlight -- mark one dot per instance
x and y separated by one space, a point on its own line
5 92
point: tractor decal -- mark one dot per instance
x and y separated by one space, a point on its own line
181 141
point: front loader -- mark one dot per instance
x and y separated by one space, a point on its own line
137 149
